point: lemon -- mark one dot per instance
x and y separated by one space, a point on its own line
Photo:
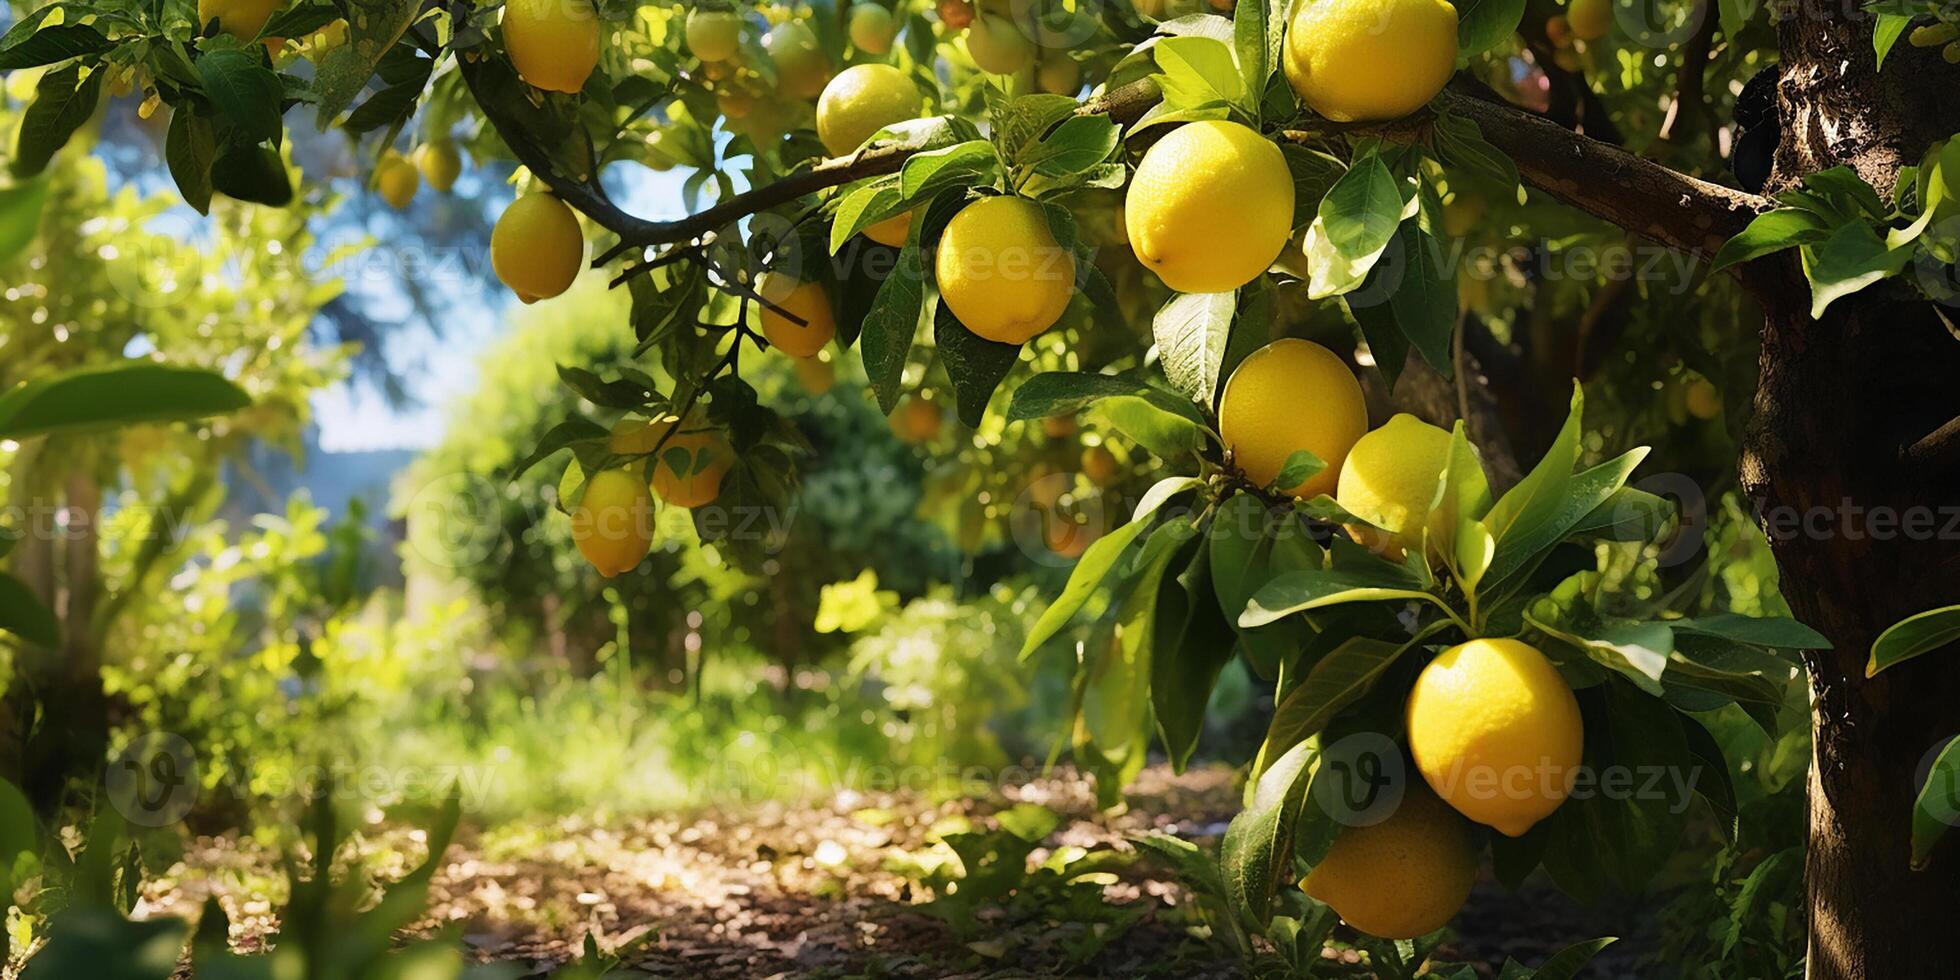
1219 233
998 45
801 67
915 420
1354 60
536 248
955 14
1001 271
239 18
817 375
553 43
440 164
1100 466
1496 733
1390 480
613 523
714 35
1059 75
861 101
872 29
1704 401
808 302
1590 20
892 231
396 180
1404 877
1288 396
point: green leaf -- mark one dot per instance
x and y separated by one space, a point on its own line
1197 72
1252 42
1418 291
63 102
1300 591
1314 174
559 437
245 91
1338 679
1713 785
1619 840
190 148
119 395
17 827
1191 644
967 164
1627 515
1461 144
1937 807
90 940
1259 841
1191 332
890 327
1116 701
1549 519
1018 122
1356 221
1068 392
1914 635
1076 146
1097 562
866 205
1484 24
344 72
1300 466
1566 963
975 364
1638 651
24 616
1169 434
1886 32
251 172
52 44
20 216
1767 632
1771 232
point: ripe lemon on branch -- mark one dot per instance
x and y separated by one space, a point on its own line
689 467
1001 270
396 180
553 43
713 35
1210 207
1404 877
536 248
1496 732
1390 480
240 18
1370 60
440 164
808 302
861 101
613 523
1288 396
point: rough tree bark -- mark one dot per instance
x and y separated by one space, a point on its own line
1839 402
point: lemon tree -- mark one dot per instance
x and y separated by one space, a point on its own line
1238 239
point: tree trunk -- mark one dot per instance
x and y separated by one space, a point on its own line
1860 528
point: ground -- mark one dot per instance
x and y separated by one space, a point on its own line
831 890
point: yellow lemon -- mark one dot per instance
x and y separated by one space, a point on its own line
396 180
613 523
714 35
1496 733
1404 877
817 375
1060 75
1288 396
1390 480
998 45
1100 466
872 29
861 101
808 302
801 67
239 18
536 248
1215 234
1590 20
554 44
915 420
1001 270
440 164
1704 401
892 231
690 464
1354 60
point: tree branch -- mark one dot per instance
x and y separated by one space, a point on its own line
1637 194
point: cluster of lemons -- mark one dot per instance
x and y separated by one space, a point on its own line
1493 729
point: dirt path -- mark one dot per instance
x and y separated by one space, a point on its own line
834 890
